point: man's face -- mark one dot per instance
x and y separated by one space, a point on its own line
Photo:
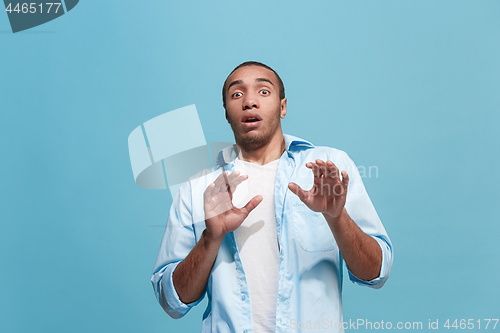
253 106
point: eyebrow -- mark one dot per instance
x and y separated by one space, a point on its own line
260 79
233 83
263 79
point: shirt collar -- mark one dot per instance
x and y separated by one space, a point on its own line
292 141
229 154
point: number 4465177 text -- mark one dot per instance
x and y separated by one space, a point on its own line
32 8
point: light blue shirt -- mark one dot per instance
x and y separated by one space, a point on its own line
310 263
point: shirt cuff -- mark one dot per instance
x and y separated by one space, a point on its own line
174 306
385 268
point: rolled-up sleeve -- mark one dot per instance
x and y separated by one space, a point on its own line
361 210
385 268
178 240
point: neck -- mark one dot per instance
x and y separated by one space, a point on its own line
268 153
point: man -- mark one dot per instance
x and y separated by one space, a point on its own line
265 232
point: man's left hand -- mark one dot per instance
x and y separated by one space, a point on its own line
328 194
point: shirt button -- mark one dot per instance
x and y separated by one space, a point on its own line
243 298
245 331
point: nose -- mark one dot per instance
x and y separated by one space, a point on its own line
250 101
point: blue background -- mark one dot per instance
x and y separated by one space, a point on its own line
411 87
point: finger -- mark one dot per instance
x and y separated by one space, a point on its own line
340 188
226 181
323 169
345 179
237 182
230 181
298 191
207 195
252 204
231 177
220 180
314 167
333 170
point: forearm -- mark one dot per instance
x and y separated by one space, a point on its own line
361 252
191 275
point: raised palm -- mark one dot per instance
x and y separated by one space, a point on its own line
328 194
221 216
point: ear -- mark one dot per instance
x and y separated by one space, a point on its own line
227 117
283 108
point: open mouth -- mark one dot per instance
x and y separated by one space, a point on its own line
251 120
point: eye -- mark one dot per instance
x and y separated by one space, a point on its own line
236 95
265 92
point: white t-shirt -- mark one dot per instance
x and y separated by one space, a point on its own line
257 242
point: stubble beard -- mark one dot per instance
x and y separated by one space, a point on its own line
251 141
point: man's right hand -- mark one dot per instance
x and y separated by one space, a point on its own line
191 275
221 216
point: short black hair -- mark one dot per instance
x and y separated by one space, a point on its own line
253 63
